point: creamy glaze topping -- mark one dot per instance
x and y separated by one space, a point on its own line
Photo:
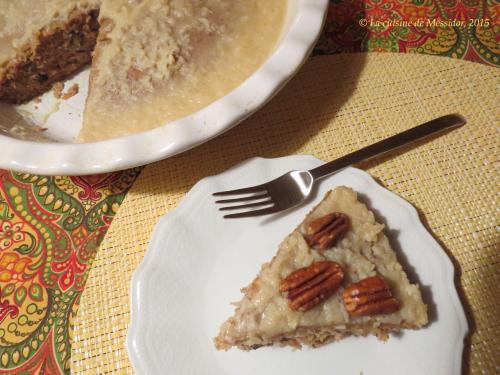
159 60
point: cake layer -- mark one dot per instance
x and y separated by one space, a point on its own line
318 336
43 42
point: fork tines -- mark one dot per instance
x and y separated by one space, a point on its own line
255 197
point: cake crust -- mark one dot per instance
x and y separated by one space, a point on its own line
57 52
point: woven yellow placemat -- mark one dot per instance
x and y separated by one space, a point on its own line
336 104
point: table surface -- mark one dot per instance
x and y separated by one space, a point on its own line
51 227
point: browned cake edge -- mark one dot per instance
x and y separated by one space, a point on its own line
57 52
106 26
319 336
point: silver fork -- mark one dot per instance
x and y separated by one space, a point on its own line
292 188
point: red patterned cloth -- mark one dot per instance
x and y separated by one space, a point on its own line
467 29
50 230
51 227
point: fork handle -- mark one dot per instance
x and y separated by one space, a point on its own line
437 125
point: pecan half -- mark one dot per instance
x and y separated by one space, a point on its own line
311 285
324 231
370 296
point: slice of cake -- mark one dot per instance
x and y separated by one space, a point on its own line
158 60
334 276
43 42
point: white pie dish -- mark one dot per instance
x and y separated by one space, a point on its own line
181 293
302 27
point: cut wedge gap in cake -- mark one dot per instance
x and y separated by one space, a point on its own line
334 276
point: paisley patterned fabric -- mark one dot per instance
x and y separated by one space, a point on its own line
51 227
463 29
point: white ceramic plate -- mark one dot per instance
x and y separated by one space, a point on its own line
197 262
302 27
